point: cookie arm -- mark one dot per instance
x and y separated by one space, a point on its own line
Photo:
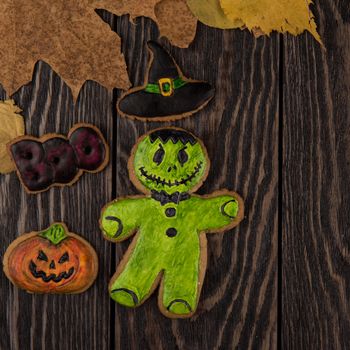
120 219
218 212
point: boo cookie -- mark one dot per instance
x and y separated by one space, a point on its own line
168 165
56 160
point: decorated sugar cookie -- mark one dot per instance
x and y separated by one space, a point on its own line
170 222
55 160
51 261
167 93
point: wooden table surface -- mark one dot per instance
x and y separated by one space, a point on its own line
277 133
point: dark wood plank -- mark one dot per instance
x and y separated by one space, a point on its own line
45 321
316 172
240 129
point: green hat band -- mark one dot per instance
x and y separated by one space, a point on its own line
165 86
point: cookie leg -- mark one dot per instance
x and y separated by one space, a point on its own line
180 288
135 283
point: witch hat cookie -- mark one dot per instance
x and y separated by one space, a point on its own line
167 94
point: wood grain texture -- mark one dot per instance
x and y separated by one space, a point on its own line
238 307
316 187
47 321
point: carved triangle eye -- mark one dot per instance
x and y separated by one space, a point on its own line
42 256
64 258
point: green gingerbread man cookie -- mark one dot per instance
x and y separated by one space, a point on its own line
170 222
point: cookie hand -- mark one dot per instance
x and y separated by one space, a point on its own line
121 218
112 226
230 208
218 212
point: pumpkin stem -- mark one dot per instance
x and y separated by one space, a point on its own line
56 233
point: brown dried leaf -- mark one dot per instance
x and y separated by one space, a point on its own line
11 126
176 22
68 35
174 18
135 8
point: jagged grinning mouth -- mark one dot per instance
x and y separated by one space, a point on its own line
53 277
170 183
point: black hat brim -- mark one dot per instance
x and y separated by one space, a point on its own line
185 101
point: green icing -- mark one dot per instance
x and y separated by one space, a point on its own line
174 254
56 233
155 89
170 175
231 208
166 87
176 257
123 298
179 307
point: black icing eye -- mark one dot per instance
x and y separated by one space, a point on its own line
182 156
159 155
64 258
42 256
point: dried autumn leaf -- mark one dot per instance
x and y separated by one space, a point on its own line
281 15
210 13
176 22
11 126
68 35
174 18
135 8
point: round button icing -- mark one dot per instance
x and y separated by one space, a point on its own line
170 212
171 232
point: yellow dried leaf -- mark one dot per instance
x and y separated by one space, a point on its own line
210 13
268 15
11 126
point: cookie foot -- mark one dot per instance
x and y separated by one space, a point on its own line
125 297
179 307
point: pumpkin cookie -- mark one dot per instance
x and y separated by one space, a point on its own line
55 160
52 261
171 222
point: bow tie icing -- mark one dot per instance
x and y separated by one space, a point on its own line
165 198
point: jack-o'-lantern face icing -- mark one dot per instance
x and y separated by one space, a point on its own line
52 261
170 160
51 271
